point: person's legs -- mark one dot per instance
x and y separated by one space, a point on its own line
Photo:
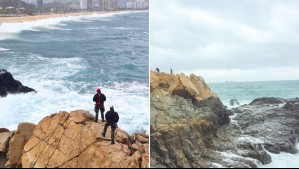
96 109
105 130
102 114
113 128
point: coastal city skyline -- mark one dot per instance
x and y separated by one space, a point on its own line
90 4
37 7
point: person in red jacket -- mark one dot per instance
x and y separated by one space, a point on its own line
99 98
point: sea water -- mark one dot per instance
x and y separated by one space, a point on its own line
65 59
246 92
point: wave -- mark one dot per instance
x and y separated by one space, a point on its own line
3 49
52 78
9 30
133 109
125 28
283 160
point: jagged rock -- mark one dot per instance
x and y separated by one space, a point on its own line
234 102
17 143
74 140
8 85
291 106
162 80
4 140
142 138
5 136
192 87
255 151
185 115
267 100
278 125
272 148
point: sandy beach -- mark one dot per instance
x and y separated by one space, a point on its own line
40 17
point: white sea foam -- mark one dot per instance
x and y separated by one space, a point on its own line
3 49
10 30
125 28
230 158
55 93
283 160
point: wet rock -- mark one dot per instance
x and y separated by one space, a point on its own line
291 106
272 148
234 102
8 85
267 100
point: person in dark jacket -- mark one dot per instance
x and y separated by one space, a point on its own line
99 98
157 70
112 119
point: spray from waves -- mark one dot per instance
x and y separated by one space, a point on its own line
283 160
51 78
133 109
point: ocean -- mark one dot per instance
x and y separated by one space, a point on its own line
65 59
246 92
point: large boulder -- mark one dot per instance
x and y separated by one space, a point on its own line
8 85
74 140
4 140
161 80
267 100
193 87
5 136
17 143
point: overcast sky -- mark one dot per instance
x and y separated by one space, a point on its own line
231 40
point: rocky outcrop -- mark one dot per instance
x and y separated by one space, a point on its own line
12 145
71 140
234 102
268 100
185 116
5 136
74 140
16 144
275 121
8 85
193 87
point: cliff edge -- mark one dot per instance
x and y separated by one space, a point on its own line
185 116
71 140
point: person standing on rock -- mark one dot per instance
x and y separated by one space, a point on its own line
157 70
112 119
99 98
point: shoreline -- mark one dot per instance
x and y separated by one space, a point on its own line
23 19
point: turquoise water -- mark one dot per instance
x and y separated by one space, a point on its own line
245 92
65 59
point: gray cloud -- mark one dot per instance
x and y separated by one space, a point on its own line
233 36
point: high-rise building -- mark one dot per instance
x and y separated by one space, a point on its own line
40 3
89 4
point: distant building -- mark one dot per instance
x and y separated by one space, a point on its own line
40 3
83 4
108 5
89 4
